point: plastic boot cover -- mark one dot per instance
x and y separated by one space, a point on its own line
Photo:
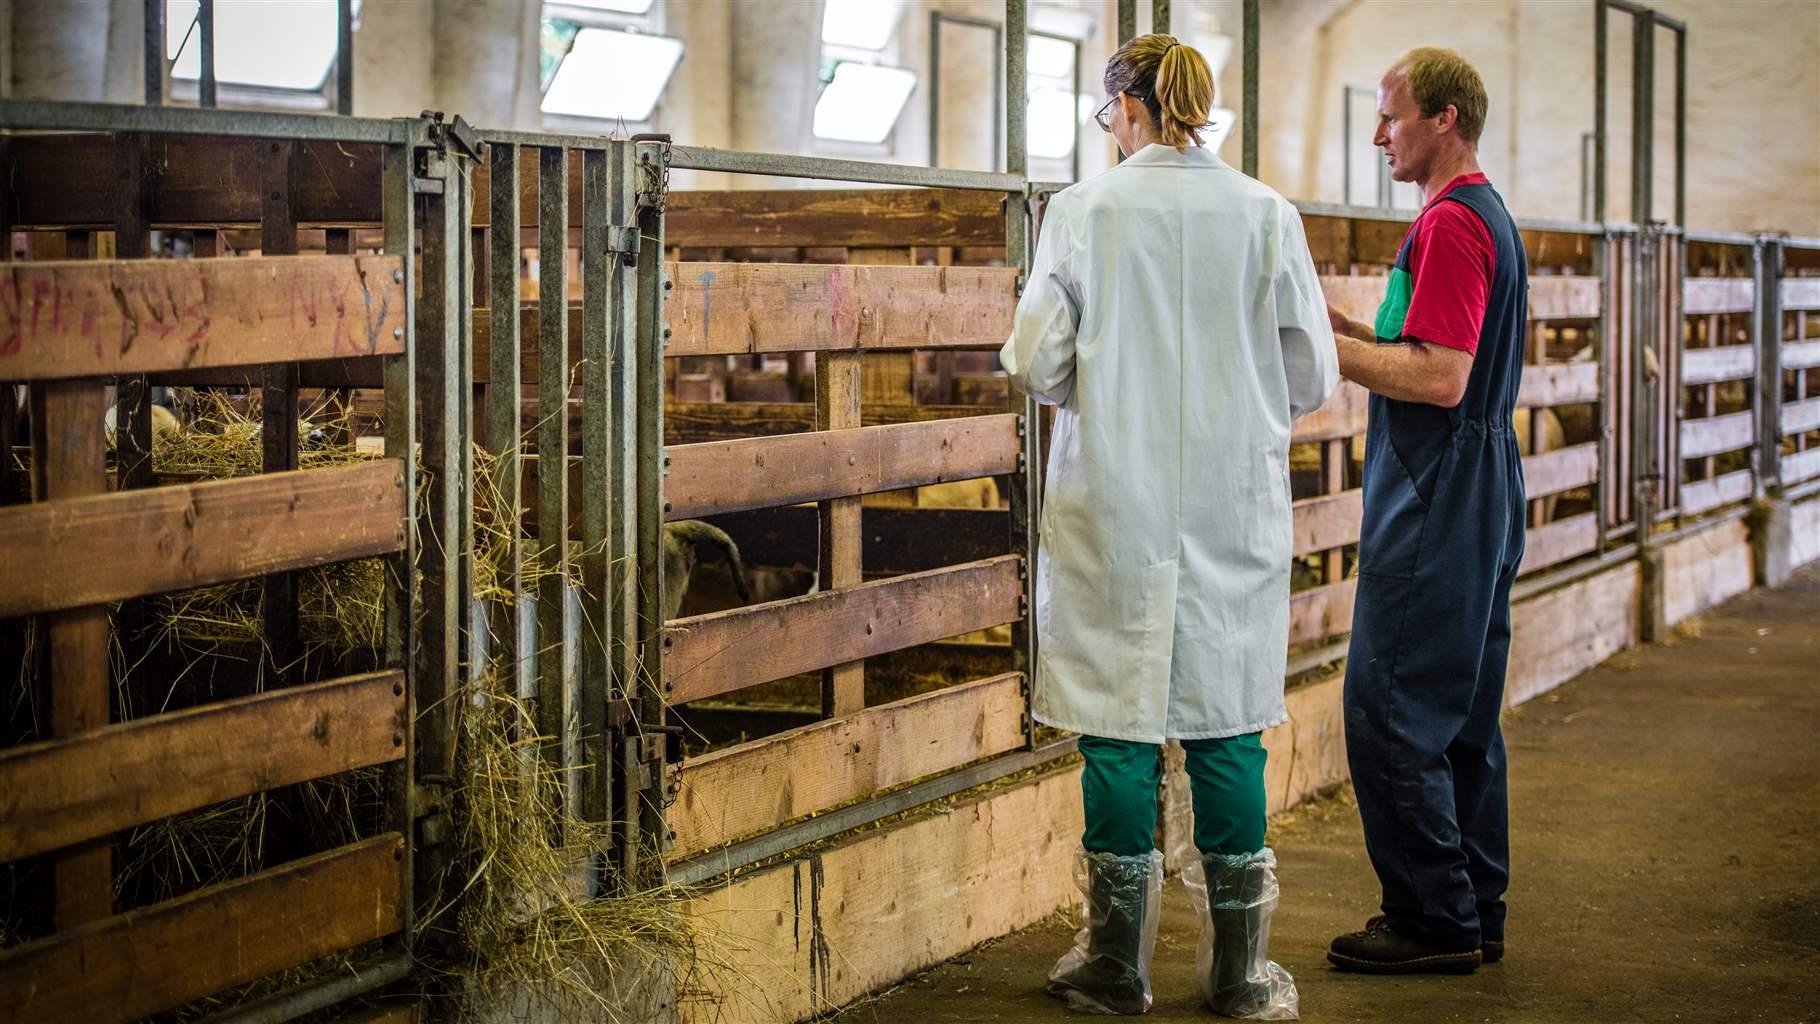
1233 962
1108 970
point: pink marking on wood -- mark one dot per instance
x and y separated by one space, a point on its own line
834 292
14 341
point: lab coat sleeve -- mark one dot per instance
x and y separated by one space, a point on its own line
1309 359
1039 355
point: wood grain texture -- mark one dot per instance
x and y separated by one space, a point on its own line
1559 541
1343 415
1800 355
693 423
1562 470
730 476
1799 466
108 547
1562 633
744 790
1727 489
103 318
1800 417
838 386
1800 293
1703 295
1327 522
1710 365
1726 433
742 308
1551 296
855 218
1321 612
717 653
1559 384
135 964
62 791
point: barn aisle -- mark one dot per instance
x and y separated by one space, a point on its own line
1665 807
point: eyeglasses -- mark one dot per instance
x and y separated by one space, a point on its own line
1103 117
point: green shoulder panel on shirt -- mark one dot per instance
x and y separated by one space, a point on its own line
1395 307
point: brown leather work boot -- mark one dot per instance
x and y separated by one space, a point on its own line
1380 950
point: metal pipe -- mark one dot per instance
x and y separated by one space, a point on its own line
1346 144
1249 117
1681 127
787 165
51 115
318 995
1643 123
1017 90
1160 20
344 57
1769 363
1601 70
1127 22
935 88
205 18
707 866
154 53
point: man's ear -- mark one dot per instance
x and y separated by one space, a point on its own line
1447 118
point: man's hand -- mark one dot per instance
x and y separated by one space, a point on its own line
1346 327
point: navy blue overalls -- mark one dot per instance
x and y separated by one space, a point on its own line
1442 537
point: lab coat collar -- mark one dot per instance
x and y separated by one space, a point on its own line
1158 155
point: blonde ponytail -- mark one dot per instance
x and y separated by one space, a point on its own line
1171 78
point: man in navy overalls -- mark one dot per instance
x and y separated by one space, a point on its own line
1441 540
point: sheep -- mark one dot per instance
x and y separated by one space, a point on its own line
684 543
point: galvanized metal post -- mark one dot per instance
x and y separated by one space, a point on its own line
622 497
1680 126
1602 269
1769 364
1643 121
597 407
1025 497
504 387
648 809
1248 118
154 52
1159 16
1127 22
1601 70
553 714
344 57
205 20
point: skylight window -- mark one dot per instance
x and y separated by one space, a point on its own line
273 44
607 6
611 74
1052 123
862 102
1049 57
862 24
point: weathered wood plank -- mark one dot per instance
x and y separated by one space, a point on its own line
748 789
1703 295
67 181
351 372
742 308
84 551
854 218
696 422
1343 415
135 964
838 384
1700 438
1800 355
1711 365
1564 632
1357 296
1705 568
103 318
1330 521
712 654
1559 384
62 791
1800 417
1559 541
1800 293
1321 612
1799 466
1727 489
729 476
1551 296
1562 470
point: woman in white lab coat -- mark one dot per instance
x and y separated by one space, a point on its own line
1174 315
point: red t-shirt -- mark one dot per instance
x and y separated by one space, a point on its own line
1451 261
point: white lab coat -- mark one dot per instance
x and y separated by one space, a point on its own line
1174 315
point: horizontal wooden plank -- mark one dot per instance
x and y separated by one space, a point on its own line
1728 489
59 792
1343 415
744 790
761 472
1800 355
1322 612
100 318
1800 417
1551 296
894 540
1559 384
853 218
85 551
1711 365
713 654
1799 466
1800 293
1701 296
695 422
1562 470
68 181
352 372
1700 438
1327 522
135 964
739 308
1559 541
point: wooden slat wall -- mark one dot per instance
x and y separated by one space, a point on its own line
1705 495
1800 293
1551 296
1717 434
1703 295
131 965
713 654
1802 416
1559 384
824 765
730 476
1326 522
1561 470
1321 612
98 782
1711 365
1559 541
113 546
104 318
1800 355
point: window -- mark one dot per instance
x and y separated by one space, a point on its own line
604 59
1056 111
862 95
284 45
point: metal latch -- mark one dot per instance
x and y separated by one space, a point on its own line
623 241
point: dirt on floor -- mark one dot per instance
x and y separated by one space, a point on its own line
1665 859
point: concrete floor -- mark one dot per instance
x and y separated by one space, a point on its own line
1666 858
